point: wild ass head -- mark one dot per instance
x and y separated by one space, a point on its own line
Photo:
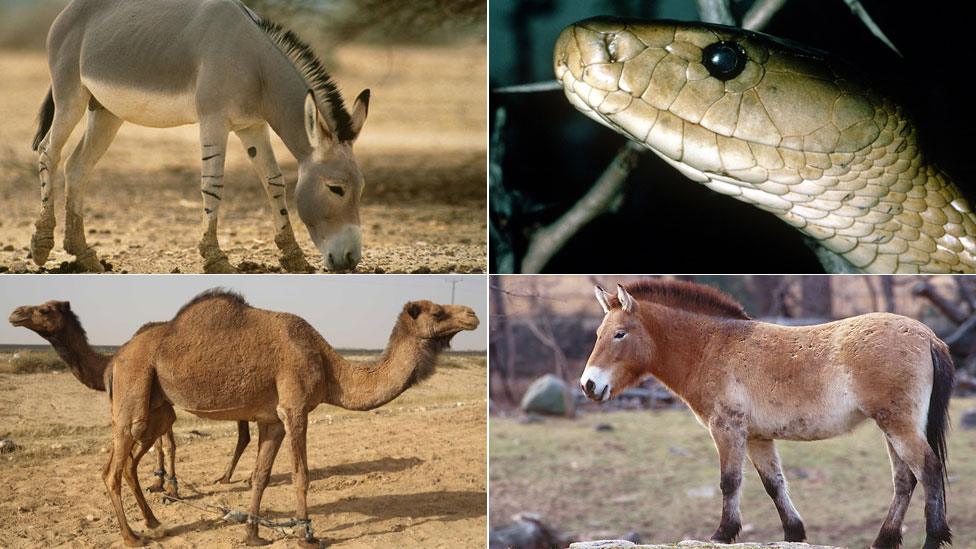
622 350
330 183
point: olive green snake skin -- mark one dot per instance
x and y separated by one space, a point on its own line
794 133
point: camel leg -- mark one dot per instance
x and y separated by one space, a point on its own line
70 104
904 480
258 144
172 486
102 129
296 425
160 472
243 439
122 443
730 441
270 436
765 458
213 146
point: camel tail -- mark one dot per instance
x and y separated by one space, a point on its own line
938 420
44 120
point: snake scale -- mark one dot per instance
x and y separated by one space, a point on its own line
777 125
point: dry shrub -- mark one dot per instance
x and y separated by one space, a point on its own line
28 362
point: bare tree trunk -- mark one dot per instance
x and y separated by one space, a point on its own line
888 291
764 290
502 348
816 297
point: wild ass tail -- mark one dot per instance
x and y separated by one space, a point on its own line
44 120
938 420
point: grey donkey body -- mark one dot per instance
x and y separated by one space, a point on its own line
165 63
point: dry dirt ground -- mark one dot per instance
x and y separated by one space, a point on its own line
422 151
410 474
657 472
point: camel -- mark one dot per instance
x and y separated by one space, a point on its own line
221 358
58 324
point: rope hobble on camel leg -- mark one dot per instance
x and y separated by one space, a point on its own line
790 130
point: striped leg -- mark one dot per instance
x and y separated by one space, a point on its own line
258 145
70 107
102 128
213 145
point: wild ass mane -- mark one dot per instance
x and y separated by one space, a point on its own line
312 70
680 294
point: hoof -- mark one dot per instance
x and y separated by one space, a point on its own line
219 265
134 542
255 540
41 246
295 263
155 533
155 488
88 262
221 480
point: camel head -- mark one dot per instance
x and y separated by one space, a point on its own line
429 321
46 319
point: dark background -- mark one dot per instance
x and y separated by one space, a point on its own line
667 223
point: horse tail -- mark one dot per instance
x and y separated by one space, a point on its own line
44 120
938 420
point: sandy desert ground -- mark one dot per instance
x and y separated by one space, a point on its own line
422 152
410 474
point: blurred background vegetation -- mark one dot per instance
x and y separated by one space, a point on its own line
24 23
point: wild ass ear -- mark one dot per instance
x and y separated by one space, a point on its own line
625 299
318 133
601 296
359 111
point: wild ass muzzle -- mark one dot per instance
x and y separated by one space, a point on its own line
166 63
751 383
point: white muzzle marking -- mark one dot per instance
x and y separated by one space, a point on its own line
596 383
343 251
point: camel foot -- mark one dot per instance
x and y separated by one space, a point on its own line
221 480
295 263
156 487
133 541
157 532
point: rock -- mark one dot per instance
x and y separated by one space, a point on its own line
548 395
7 446
633 536
619 543
604 427
968 420
531 418
528 532
9 248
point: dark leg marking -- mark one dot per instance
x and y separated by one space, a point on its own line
212 156
276 184
252 152
208 210
276 196
283 212
221 176
94 105
216 186
793 530
208 193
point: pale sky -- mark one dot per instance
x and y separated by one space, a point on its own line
349 311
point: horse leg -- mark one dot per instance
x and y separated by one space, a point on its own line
258 144
904 480
243 439
270 436
160 472
765 458
912 447
213 146
70 107
730 440
102 129
172 486
296 424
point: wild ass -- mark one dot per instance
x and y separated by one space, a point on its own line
751 383
166 63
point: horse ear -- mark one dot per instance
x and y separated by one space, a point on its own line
315 126
359 111
413 309
601 296
626 300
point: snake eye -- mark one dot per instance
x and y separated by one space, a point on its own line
724 60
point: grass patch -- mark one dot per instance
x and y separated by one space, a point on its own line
30 362
657 473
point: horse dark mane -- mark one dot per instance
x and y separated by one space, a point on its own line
680 294
213 293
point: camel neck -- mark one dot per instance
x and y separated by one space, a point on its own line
85 363
367 385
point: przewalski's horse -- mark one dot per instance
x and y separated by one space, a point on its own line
751 383
165 63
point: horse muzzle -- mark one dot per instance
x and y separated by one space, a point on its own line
595 383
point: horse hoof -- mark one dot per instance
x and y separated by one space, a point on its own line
88 262
219 265
295 263
41 247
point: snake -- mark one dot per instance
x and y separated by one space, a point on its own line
787 128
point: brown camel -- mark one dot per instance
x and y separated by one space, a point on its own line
220 358
58 324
